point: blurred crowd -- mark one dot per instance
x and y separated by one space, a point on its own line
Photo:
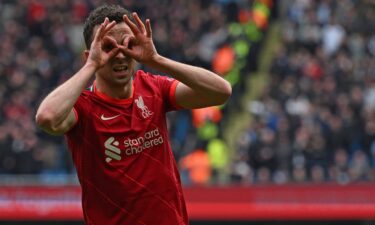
315 119
41 46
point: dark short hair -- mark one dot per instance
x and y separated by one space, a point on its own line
98 15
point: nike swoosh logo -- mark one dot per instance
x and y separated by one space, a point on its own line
108 118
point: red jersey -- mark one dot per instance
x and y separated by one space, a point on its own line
123 158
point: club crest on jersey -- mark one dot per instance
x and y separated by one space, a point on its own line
141 105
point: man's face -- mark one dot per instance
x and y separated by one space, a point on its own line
120 68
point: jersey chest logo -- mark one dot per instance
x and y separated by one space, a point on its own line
108 118
145 112
120 147
111 150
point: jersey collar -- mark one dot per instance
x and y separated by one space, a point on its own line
109 98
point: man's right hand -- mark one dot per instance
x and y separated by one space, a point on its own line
55 114
102 47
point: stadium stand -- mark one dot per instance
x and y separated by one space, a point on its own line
312 111
41 46
314 119
313 122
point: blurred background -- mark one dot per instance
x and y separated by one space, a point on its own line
295 143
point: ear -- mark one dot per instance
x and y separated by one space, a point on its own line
86 54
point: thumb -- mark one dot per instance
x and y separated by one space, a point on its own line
128 41
129 52
127 45
113 52
110 46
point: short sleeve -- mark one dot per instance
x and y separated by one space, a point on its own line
168 87
79 108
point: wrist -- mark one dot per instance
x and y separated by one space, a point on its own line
90 67
155 62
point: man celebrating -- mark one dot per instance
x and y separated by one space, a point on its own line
116 129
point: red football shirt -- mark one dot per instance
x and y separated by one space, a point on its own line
123 157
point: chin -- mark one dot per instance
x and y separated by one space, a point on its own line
120 75
121 79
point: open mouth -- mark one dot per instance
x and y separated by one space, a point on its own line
120 68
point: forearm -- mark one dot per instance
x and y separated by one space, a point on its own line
55 108
198 87
198 79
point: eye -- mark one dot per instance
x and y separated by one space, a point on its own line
130 45
108 46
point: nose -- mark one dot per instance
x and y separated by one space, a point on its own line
120 55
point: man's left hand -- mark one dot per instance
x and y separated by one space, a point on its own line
140 46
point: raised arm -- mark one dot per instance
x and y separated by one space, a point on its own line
198 87
55 114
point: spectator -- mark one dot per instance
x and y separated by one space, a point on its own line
197 166
321 97
49 50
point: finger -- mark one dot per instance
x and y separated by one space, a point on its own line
106 21
132 26
113 52
109 26
148 28
139 23
127 40
127 51
109 44
126 47
99 32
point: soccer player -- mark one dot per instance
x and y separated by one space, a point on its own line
116 129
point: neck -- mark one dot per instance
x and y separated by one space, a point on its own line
117 91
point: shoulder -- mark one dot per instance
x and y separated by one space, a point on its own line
86 94
144 76
85 97
150 78
146 80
